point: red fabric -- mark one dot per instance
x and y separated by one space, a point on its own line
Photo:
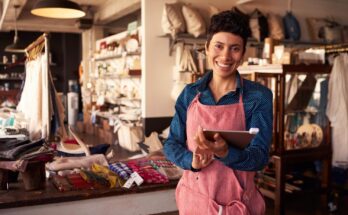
147 172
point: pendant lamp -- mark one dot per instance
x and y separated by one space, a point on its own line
58 9
15 47
240 2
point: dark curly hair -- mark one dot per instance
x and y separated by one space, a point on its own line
231 22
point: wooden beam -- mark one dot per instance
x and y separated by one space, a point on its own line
112 10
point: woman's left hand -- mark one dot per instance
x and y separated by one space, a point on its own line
218 147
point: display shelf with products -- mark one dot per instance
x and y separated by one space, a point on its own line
115 56
114 84
12 75
11 78
298 91
252 42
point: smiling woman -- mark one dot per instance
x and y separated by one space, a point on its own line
221 100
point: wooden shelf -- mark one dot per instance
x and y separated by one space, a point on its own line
132 73
9 92
11 79
116 56
284 158
190 39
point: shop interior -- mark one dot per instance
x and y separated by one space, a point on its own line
86 101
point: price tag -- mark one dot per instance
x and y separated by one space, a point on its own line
137 178
128 183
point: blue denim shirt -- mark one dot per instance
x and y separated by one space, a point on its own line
258 107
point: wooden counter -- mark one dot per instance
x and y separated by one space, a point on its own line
49 200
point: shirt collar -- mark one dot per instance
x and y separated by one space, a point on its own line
203 83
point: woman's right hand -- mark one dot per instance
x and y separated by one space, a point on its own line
201 157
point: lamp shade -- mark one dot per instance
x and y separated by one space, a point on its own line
15 47
58 9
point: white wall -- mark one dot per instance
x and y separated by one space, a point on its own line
157 64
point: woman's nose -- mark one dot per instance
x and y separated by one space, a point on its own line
226 53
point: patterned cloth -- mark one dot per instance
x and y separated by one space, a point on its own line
147 172
167 168
121 170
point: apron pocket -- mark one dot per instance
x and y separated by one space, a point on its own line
190 202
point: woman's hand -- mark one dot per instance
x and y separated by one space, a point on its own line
201 157
218 147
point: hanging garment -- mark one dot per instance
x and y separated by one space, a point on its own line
35 103
217 189
337 108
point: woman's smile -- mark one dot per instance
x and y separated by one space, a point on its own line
224 53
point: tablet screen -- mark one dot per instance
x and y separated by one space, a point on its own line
239 139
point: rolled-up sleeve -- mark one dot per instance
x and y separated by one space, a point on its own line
175 148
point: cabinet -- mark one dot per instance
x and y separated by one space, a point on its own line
11 77
278 78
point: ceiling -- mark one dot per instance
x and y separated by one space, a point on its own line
103 12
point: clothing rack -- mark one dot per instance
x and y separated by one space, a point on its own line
336 48
49 105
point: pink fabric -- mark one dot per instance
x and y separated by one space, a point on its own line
217 189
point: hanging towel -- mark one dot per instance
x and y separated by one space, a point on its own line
337 108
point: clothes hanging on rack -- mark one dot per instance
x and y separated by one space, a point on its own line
337 108
34 102
39 101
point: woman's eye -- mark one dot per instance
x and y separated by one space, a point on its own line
235 49
218 46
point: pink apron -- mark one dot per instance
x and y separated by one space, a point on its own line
217 189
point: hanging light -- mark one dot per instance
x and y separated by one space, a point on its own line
240 2
15 47
58 9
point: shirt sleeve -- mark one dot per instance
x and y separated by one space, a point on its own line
175 148
255 156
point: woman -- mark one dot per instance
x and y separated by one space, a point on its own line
219 178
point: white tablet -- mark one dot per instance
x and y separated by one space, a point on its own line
239 139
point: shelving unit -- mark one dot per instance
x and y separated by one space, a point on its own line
11 77
115 82
282 157
189 39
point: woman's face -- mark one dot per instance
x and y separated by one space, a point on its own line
224 53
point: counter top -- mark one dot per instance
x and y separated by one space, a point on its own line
16 196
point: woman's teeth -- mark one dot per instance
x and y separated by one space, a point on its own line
223 65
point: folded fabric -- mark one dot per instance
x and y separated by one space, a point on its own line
61 183
106 173
63 163
16 152
18 165
95 179
78 182
10 143
147 172
98 149
167 168
121 170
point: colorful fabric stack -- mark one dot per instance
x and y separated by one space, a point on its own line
147 172
121 170
95 179
78 182
167 168
105 172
